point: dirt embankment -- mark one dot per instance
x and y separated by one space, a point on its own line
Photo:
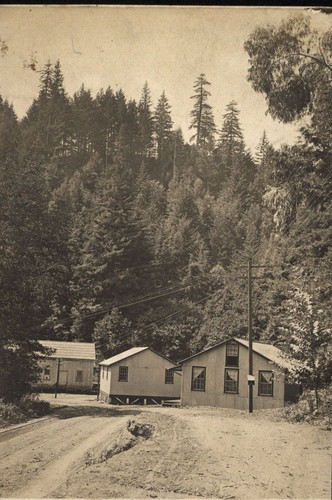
92 450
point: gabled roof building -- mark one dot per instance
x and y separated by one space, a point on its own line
138 376
71 366
218 376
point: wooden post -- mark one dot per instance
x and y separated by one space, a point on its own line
250 382
57 379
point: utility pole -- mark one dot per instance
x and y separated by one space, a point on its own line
251 379
57 379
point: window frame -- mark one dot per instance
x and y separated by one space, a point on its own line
236 370
193 388
122 378
265 384
232 343
79 379
169 376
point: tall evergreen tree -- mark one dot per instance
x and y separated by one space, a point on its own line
9 130
84 118
163 135
146 122
202 116
47 125
163 125
231 142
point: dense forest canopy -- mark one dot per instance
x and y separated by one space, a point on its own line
115 230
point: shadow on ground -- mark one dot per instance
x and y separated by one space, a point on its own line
68 412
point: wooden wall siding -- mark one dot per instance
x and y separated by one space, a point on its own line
68 373
146 377
214 395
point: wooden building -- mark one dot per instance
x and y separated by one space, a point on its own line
218 376
138 376
72 365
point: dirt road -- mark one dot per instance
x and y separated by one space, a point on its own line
93 450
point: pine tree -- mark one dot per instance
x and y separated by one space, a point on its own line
146 122
47 126
202 116
9 130
262 149
231 143
163 125
109 240
84 117
237 166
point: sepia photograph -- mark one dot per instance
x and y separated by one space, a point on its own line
165 252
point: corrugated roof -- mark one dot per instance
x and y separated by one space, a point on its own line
269 351
123 355
71 350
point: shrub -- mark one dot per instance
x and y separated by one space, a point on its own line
27 407
305 410
10 414
32 407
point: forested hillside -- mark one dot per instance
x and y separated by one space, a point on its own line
115 230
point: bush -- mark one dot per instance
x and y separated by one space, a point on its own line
10 414
27 407
305 410
32 407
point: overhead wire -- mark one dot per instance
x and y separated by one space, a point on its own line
142 299
160 321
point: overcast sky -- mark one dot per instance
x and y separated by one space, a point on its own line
123 47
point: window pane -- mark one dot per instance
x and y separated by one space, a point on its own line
123 373
232 354
231 349
231 381
169 376
198 378
265 383
79 376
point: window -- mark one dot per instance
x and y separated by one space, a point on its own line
231 381
198 378
169 376
47 372
123 373
79 376
232 354
265 383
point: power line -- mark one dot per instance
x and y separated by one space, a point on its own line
158 322
142 299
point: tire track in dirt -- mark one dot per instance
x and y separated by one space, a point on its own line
56 472
161 463
38 441
27 455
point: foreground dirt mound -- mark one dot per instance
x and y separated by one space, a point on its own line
122 440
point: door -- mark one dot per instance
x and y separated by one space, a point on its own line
63 376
